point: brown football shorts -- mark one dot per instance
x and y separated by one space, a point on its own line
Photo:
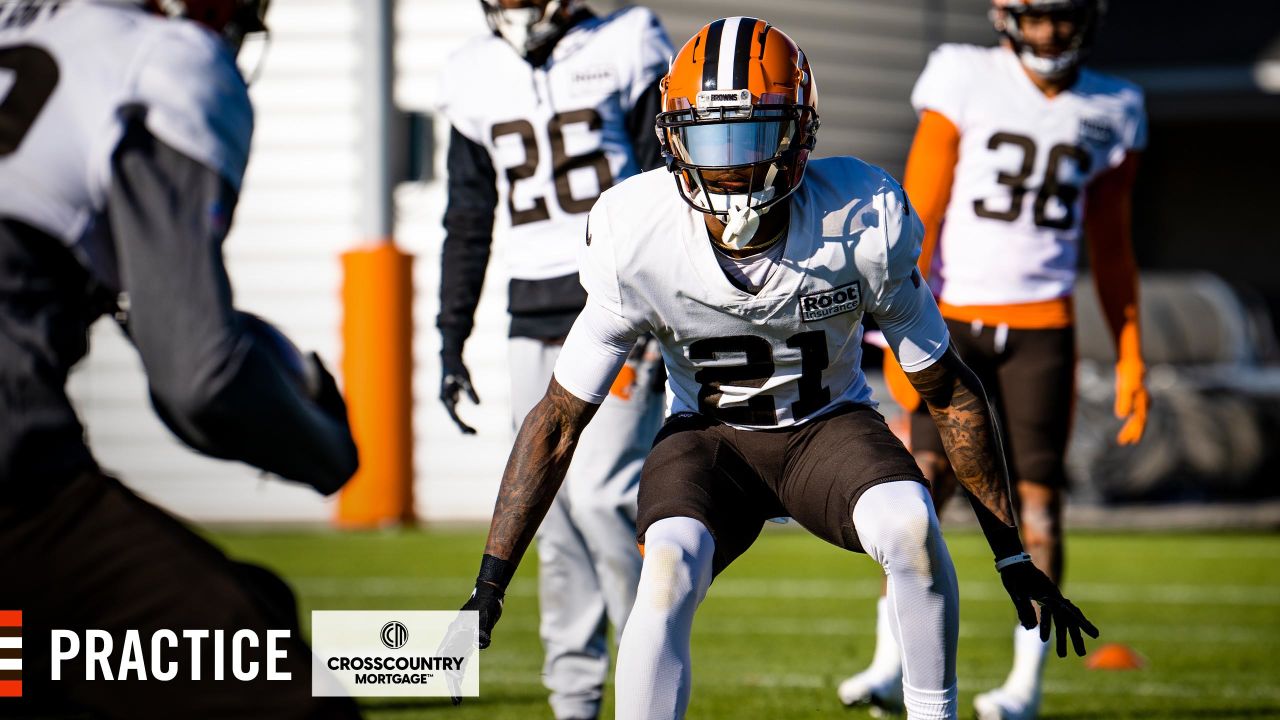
1031 381
732 481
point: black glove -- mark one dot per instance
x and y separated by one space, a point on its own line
455 379
460 640
1025 582
486 601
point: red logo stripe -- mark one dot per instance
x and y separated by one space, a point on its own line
11 626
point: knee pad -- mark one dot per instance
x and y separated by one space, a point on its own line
677 563
897 525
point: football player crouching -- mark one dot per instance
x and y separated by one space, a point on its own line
753 265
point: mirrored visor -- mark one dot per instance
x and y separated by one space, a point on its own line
732 143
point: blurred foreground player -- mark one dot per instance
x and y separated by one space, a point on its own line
1020 151
754 274
555 106
123 138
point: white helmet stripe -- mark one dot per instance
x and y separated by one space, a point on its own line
724 70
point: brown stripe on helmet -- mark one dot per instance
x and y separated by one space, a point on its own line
711 56
10 674
742 53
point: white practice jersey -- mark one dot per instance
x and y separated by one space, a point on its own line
1012 228
777 358
75 69
557 133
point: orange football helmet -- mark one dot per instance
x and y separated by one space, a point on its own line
739 119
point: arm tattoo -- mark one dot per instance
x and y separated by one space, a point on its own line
536 468
970 431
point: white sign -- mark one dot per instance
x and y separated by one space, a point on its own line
390 653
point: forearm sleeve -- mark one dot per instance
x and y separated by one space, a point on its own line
468 224
214 386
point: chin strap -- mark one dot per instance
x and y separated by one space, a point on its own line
744 220
741 226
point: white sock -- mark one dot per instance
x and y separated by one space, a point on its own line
899 529
931 704
654 676
887 661
1028 662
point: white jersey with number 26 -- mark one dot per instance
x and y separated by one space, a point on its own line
556 133
785 355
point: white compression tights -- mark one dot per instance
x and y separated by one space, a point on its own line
899 529
653 676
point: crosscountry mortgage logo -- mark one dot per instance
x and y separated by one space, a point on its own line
394 635
400 653
10 653
828 303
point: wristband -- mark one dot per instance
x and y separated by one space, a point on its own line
1011 560
495 571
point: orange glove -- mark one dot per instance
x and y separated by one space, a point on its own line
1131 390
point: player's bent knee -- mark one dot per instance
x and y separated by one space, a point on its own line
897 526
677 564
670 575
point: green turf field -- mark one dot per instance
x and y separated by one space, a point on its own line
785 623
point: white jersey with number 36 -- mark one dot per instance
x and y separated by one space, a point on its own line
776 358
1013 225
70 74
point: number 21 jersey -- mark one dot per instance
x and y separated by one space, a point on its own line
1013 225
790 352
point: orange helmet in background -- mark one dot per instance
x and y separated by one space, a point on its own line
740 117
